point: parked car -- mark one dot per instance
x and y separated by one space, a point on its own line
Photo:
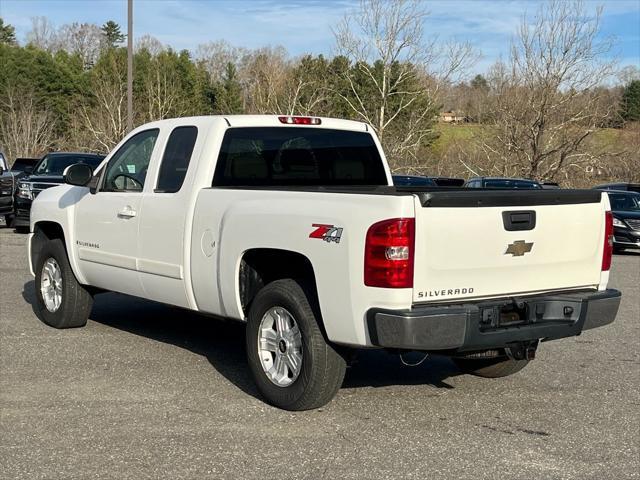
412 181
626 219
7 187
293 225
24 166
502 182
47 173
448 181
621 186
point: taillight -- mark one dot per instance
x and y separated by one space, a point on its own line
607 252
289 120
388 254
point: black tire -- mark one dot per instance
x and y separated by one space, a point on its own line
22 229
323 368
75 307
497 367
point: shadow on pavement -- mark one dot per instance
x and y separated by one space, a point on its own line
221 342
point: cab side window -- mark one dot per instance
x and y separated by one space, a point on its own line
127 169
176 158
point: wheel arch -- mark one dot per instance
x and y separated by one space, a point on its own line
261 266
46 230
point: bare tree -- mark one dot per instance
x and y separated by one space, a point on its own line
149 43
43 34
547 101
215 56
83 39
105 117
264 75
163 95
26 128
397 72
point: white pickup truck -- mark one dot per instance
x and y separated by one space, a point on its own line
292 225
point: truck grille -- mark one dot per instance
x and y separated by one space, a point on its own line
36 187
635 224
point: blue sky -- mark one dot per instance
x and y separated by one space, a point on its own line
304 26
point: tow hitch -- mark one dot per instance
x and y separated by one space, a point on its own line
522 350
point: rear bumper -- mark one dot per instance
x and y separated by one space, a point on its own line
478 326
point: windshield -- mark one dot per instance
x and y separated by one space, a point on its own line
624 201
510 184
55 164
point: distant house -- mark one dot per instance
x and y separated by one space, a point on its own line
452 117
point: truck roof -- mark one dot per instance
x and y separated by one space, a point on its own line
259 121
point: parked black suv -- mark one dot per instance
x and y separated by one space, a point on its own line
625 207
46 174
412 181
630 187
423 181
502 182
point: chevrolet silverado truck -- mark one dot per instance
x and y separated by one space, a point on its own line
292 225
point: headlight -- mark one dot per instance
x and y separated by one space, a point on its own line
618 223
24 191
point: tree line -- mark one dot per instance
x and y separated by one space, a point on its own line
540 113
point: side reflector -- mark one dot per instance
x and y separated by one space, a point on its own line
607 251
388 255
289 120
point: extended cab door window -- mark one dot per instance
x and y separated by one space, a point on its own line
176 158
127 168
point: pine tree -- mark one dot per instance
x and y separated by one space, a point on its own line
631 102
112 34
479 82
7 33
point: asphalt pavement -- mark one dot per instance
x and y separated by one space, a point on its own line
150 391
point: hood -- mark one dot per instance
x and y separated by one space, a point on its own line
43 178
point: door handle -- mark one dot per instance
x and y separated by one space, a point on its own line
515 221
127 212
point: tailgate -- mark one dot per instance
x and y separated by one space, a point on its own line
487 243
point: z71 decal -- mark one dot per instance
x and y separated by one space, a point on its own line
328 233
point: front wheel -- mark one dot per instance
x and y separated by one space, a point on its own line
61 301
293 365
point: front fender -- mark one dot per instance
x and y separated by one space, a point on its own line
57 205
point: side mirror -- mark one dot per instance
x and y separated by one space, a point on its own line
79 174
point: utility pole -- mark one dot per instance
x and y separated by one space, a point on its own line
129 65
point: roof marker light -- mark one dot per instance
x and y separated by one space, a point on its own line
300 120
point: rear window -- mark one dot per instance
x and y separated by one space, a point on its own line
298 156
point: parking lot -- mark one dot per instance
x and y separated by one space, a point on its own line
150 391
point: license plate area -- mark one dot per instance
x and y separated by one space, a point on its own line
517 313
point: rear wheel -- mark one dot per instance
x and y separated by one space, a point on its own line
293 365
61 301
492 367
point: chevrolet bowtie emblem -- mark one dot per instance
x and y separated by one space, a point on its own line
519 248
